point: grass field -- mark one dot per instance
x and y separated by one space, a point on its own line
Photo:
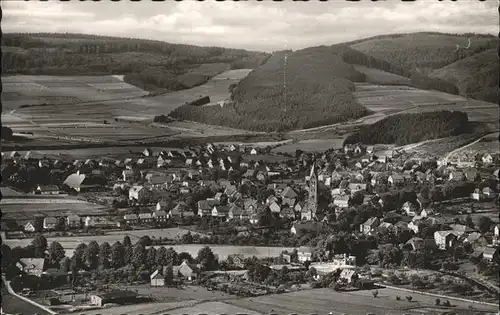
179 294
394 99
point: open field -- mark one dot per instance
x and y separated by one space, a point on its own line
376 76
388 100
323 301
24 209
312 145
35 90
262 144
136 309
104 108
213 308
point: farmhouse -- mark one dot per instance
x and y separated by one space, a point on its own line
348 275
32 266
445 239
304 254
49 223
369 226
137 193
157 280
186 270
73 221
82 182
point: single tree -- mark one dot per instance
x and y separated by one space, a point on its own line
150 257
139 255
207 259
126 241
91 255
117 255
56 252
40 244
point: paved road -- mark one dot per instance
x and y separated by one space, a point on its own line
15 305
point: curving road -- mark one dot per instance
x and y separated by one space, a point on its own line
14 305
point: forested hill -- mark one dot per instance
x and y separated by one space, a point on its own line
149 64
476 76
423 51
319 86
403 129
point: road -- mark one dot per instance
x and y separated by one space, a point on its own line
14 305
449 155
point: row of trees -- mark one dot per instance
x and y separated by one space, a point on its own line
401 129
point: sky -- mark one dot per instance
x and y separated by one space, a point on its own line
253 25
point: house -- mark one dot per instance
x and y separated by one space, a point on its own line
370 225
344 260
289 196
137 193
426 212
147 152
348 275
461 229
161 205
156 279
205 207
355 187
369 149
47 190
113 297
49 223
490 253
395 179
416 243
73 222
342 201
32 266
82 182
160 216
145 218
29 227
304 254
445 239
159 180
254 151
410 209
275 207
234 212
131 219
477 195
220 211
186 270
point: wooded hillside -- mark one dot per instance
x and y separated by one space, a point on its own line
77 54
423 52
403 129
476 76
318 91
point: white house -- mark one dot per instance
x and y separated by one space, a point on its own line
137 193
304 254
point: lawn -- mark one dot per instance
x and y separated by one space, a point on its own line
184 293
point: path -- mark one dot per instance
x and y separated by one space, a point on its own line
12 304
449 155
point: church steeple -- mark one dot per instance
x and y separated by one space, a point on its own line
312 200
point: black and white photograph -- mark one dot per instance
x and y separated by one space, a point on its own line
250 157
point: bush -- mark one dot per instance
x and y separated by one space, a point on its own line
375 293
438 301
409 298
398 298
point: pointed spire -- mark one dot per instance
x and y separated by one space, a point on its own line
313 172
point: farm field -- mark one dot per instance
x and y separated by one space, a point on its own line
136 309
104 108
323 301
390 99
312 145
24 209
35 90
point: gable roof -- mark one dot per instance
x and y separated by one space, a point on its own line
289 193
75 180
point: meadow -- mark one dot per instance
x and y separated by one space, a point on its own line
389 100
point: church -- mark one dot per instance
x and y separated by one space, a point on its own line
311 206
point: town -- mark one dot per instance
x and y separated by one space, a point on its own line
81 235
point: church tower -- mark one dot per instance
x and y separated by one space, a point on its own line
312 200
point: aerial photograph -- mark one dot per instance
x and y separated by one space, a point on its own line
250 157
